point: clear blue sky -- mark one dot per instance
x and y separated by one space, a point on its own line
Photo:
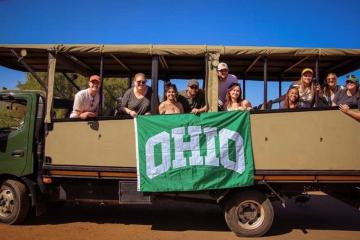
306 23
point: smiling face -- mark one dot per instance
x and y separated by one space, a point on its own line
235 93
293 95
140 82
331 80
351 86
223 74
94 86
306 78
171 94
193 90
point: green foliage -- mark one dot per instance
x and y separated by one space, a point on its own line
113 88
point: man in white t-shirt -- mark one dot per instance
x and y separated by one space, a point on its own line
225 80
86 103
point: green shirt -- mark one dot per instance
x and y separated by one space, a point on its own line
190 103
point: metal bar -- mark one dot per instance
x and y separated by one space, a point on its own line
102 83
154 84
71 81
120 62
129 81
29 69
163 63
280 89
344 63
69 64
295 64
316 80
252 64
265 82
244 87
274 192
76 60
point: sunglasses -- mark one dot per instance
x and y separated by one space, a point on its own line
140 82
92 102
193 87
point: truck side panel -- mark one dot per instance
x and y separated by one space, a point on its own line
331 139
94 143
307 140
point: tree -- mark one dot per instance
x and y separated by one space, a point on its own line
113 89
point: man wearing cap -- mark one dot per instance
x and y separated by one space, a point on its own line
193 98
225 80
350 94
352 88
86 103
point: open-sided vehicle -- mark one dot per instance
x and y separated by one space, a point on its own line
43 158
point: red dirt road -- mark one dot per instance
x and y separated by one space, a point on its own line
322 218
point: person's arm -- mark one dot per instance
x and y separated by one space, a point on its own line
162 108
202 103
354 114
247 104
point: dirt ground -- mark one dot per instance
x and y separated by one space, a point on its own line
321 218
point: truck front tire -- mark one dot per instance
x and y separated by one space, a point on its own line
249 213
14 202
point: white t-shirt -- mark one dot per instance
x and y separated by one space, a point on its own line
223 86
84 102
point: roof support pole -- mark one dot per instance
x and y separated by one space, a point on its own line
50 89
212 81
316 80
244 87
154 84
265 82
102 83
29 69
280 88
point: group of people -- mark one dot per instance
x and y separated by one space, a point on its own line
301 94
304 93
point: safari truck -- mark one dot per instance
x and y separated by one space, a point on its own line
48 158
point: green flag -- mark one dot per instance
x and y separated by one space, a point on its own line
187 152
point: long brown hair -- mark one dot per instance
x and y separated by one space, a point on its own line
168 87
327 89
287 100
228 100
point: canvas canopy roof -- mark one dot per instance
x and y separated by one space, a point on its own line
183 61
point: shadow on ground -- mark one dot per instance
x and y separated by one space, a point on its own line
320 213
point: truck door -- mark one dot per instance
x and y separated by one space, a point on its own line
15 133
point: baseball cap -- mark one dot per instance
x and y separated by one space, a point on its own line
193 82
222 66
305 70
352 78
94 78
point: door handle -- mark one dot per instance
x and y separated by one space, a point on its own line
18 153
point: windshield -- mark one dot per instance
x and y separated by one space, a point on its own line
12 114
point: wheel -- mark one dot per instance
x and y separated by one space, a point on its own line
249 213
14 202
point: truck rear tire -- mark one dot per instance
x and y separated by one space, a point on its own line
249 213
14 202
